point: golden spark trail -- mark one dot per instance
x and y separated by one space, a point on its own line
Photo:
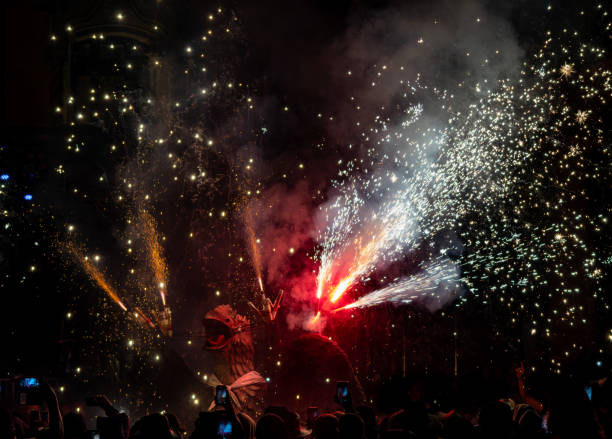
154 252
95 275
256 258
143 317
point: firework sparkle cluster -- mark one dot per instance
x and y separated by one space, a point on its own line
492 192
513 178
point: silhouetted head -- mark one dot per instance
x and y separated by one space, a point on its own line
396 434
495 420
291 420
412 418
529 422
7 429
325 427
74 425
271 426
153 426
369 420
457 427
219 423
571 412
351 426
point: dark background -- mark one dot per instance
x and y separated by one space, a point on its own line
290 54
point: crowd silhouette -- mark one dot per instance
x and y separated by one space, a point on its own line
565 408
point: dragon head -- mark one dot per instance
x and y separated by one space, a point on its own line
223 326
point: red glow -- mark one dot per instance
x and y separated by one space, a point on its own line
339 290
319 290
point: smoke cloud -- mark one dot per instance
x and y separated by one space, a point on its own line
282 224
360 76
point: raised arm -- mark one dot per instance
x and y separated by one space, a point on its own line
528 399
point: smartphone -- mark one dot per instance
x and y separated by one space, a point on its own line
311 415
221 396
342 392
28 390
545 422
589 391
224 428
29 383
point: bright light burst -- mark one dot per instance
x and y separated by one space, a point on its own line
504 172
566 70
425 177
498 172
436 284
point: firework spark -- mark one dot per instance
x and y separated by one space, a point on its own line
479 170
436 284
428 185
94 274
566 70
141 316
253 247
155 255
582 116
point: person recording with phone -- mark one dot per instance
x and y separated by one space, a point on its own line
115 424
343 396
222 422
34 391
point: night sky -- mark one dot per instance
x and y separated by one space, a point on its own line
451 159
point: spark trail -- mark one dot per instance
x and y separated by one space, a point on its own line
499 172
155 255
435 173
95 274
436 284
253 248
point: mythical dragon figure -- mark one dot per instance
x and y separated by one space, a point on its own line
311 364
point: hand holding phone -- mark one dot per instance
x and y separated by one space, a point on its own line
343 395
224 428
221 396
91 401
589 392
29 383
102 401
218 424
29 391
98 401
